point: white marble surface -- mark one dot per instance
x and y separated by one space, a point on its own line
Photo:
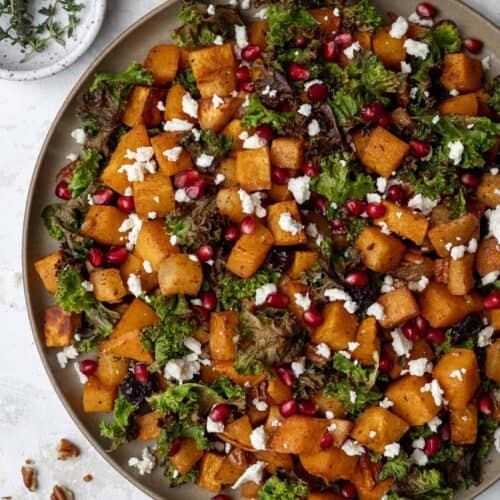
32 419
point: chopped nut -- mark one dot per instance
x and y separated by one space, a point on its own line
67 449
61 493
29 461
87 478
29 477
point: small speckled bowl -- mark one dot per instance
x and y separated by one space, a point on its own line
14 65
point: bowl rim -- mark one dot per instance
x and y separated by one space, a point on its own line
25 230
66 61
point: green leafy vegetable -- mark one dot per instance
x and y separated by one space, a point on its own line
345 107
286 24
344 390
256 114
85 172
71 295
210 143
486 430
175 479
187 80
425 484
227 389
355 372
282 489
116 430
495 95
361 15
181 429
397 467
248 364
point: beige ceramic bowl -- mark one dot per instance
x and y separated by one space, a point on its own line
133 44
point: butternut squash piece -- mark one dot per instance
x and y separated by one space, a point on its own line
227 168
233 466
492 363
228 203
463 424
288 210
466 104
461 275
148 425
180 274
302 261
47 270
329 404
134 265
275 460
154 197
454 233
378 491
488 256
164 142
111 370
102 224
257 31
253 169
287 152
278 392
412 404
338 328
390 50
137 316
380 252
280 192
142 107
215 115
98 398
174 108
163 62
59 328
108 285
328 21
233 130
209 467
238 433
153 243
290 288
127 345
369 342
223 327
329 465
187 456
488 191
219 368
462 73
399 307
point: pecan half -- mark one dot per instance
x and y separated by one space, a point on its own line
30 477
61 493
66 449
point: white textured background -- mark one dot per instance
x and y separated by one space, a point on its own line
32 419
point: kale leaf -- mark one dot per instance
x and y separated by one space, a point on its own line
344 390
397 467
361 15
181 429
425 484
256 114
495 95
117 429
187 80
286 24
355 372
282 489
210 143
85 172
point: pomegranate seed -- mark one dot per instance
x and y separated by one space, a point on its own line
221 497
116 256
232 233
432 445
125 204
445 432
248 225
492 301
411 332
338 226
141 372
321 204
209 300
385 365
385 119
372 112
348 490
197 189
250 53
435 336
485 404
288 408
286 375
62 191
344 39
326 441
220 412
357 278
307 407
205 252
470 180
426 10
88 367
280 175
422 325
356 207
202 313
396 194
298 72
247 87
186 178
473 45
103 197
176 446
310 170
265 132
313 317
96 257
375 210
301 42
329 51
420 148
277 300
243 74
317 92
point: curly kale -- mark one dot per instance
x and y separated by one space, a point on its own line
425 484
361 15
495 95
209 143
343 391
345 107
117 430
181 429
188 81
175 479
86 172
397 467
355 372
282 489
257 114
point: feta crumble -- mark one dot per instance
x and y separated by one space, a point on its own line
456 151
79 135
263 292
303 301
418 367
145 464
419 457
401 345
288 224
132 225
219 179
258 438
352 49
313 129
376 310
399 28
416 49
391 450
204 160
214 427
177 125
352 448
240 33
298 367
173 154
484 336
434 424
305 110
386 403
422 204
190 105
65 354
299 187
253 474
134 285
323 350
493 217
254 142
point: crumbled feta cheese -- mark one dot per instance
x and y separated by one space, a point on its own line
276 423
386 403
79 135
263 292
240 33
334 294
415 18
211 10
323 350
193 345
87 286
419 457
190 105
303 301
177 125
173 240
413 93
183 369
143 163
288 224
420 285
418 367
381 184
399 28
132 225
435 389
405 68
299 187
352 396
372 434
401 345
433 424
391 450
388 284
490 278
72 157
346 354
376 310
145 464
258 438
486 63
352 448
419 444
219 179
457 374
305 110
152 215
253 474
336 12
313 129
352 346
384 228
310 83
214 427
352 49
422 204
494 170
260 405
484 336
129 191
329 414
373 198
493 217
147 266
454 92
416 49
298 367
134 284
204 160
65 354
246 202
218 40
173 153
196 302
82 378
254 142
160 106
456 151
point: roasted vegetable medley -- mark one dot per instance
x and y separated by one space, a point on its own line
279 254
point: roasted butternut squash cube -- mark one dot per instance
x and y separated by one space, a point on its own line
489 190
257 31
461 275
223 328
137 316
389 428
390 50
219 368
187 456
454 233
59 328
98 398
493 316
330 465
111 370
127 345
399 307
380 490
250 252
302 261
153 243
167 141
180 274
329 403
280 192
338 327
290 288
228 203
234 465
458 375
135 138
163 62
488 256
227 168
238 433
380 252
148 425
462 73
209 60
287 152
278 392
492 363
222 83
411 403
328 21
134 265
215 115
142 107
384 152
174 108
233 130
369 342
404 222
108 285
253 169
442 309
463 423
102 223
47 270
284 221
466 104
154 197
